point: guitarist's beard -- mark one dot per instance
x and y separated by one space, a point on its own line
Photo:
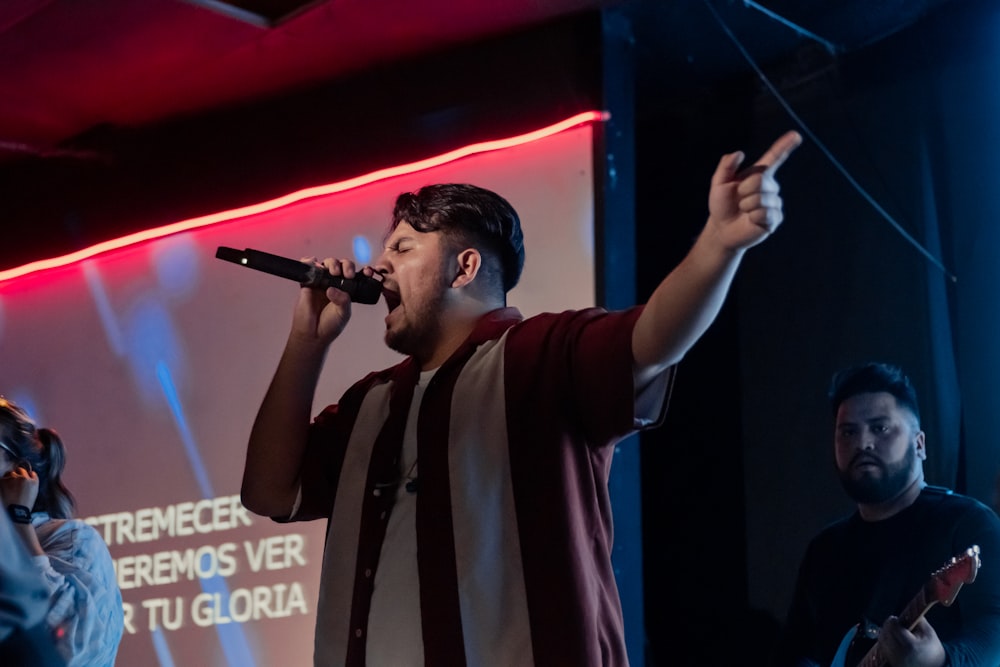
872 489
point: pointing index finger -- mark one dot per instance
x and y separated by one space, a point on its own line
779 151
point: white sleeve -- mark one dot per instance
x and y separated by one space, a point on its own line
85 603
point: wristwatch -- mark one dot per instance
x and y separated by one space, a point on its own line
19 513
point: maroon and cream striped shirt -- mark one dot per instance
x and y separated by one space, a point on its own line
515 440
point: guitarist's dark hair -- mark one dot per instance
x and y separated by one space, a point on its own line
873 377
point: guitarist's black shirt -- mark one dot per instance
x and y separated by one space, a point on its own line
856 570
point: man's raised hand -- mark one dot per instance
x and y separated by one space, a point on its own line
744 205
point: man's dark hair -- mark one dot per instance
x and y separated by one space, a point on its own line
471 215
873 377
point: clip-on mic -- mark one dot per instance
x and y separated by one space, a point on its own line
361 288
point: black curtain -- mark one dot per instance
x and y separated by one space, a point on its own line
914 121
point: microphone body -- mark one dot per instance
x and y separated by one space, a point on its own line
361 288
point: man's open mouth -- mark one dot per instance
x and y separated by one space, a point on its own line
392 299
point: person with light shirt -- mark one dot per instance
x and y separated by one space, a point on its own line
83 604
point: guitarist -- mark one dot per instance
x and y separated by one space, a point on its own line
862 570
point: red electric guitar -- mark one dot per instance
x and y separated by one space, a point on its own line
942 587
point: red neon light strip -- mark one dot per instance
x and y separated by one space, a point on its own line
308 193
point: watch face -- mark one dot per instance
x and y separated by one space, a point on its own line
19 513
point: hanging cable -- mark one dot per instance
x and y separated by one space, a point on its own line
828 45
829 154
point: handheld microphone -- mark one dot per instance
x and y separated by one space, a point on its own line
361 288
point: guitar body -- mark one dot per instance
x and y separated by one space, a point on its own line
840 659
853 648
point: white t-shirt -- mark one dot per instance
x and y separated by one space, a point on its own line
394 631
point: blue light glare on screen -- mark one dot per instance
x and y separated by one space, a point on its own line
231 636
112 332
362 250
177 264
183 429
151 345
163 655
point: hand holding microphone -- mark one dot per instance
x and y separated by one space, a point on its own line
361 288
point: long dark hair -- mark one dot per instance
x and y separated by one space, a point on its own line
43 450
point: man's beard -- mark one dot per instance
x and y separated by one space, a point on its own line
420 331
872 490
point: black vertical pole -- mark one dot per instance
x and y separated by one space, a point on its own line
615 253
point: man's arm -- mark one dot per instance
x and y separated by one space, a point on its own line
280 431
744 209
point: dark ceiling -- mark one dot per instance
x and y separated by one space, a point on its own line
67 66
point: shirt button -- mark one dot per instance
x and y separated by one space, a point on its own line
357 633
382 516
368 572
377 492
